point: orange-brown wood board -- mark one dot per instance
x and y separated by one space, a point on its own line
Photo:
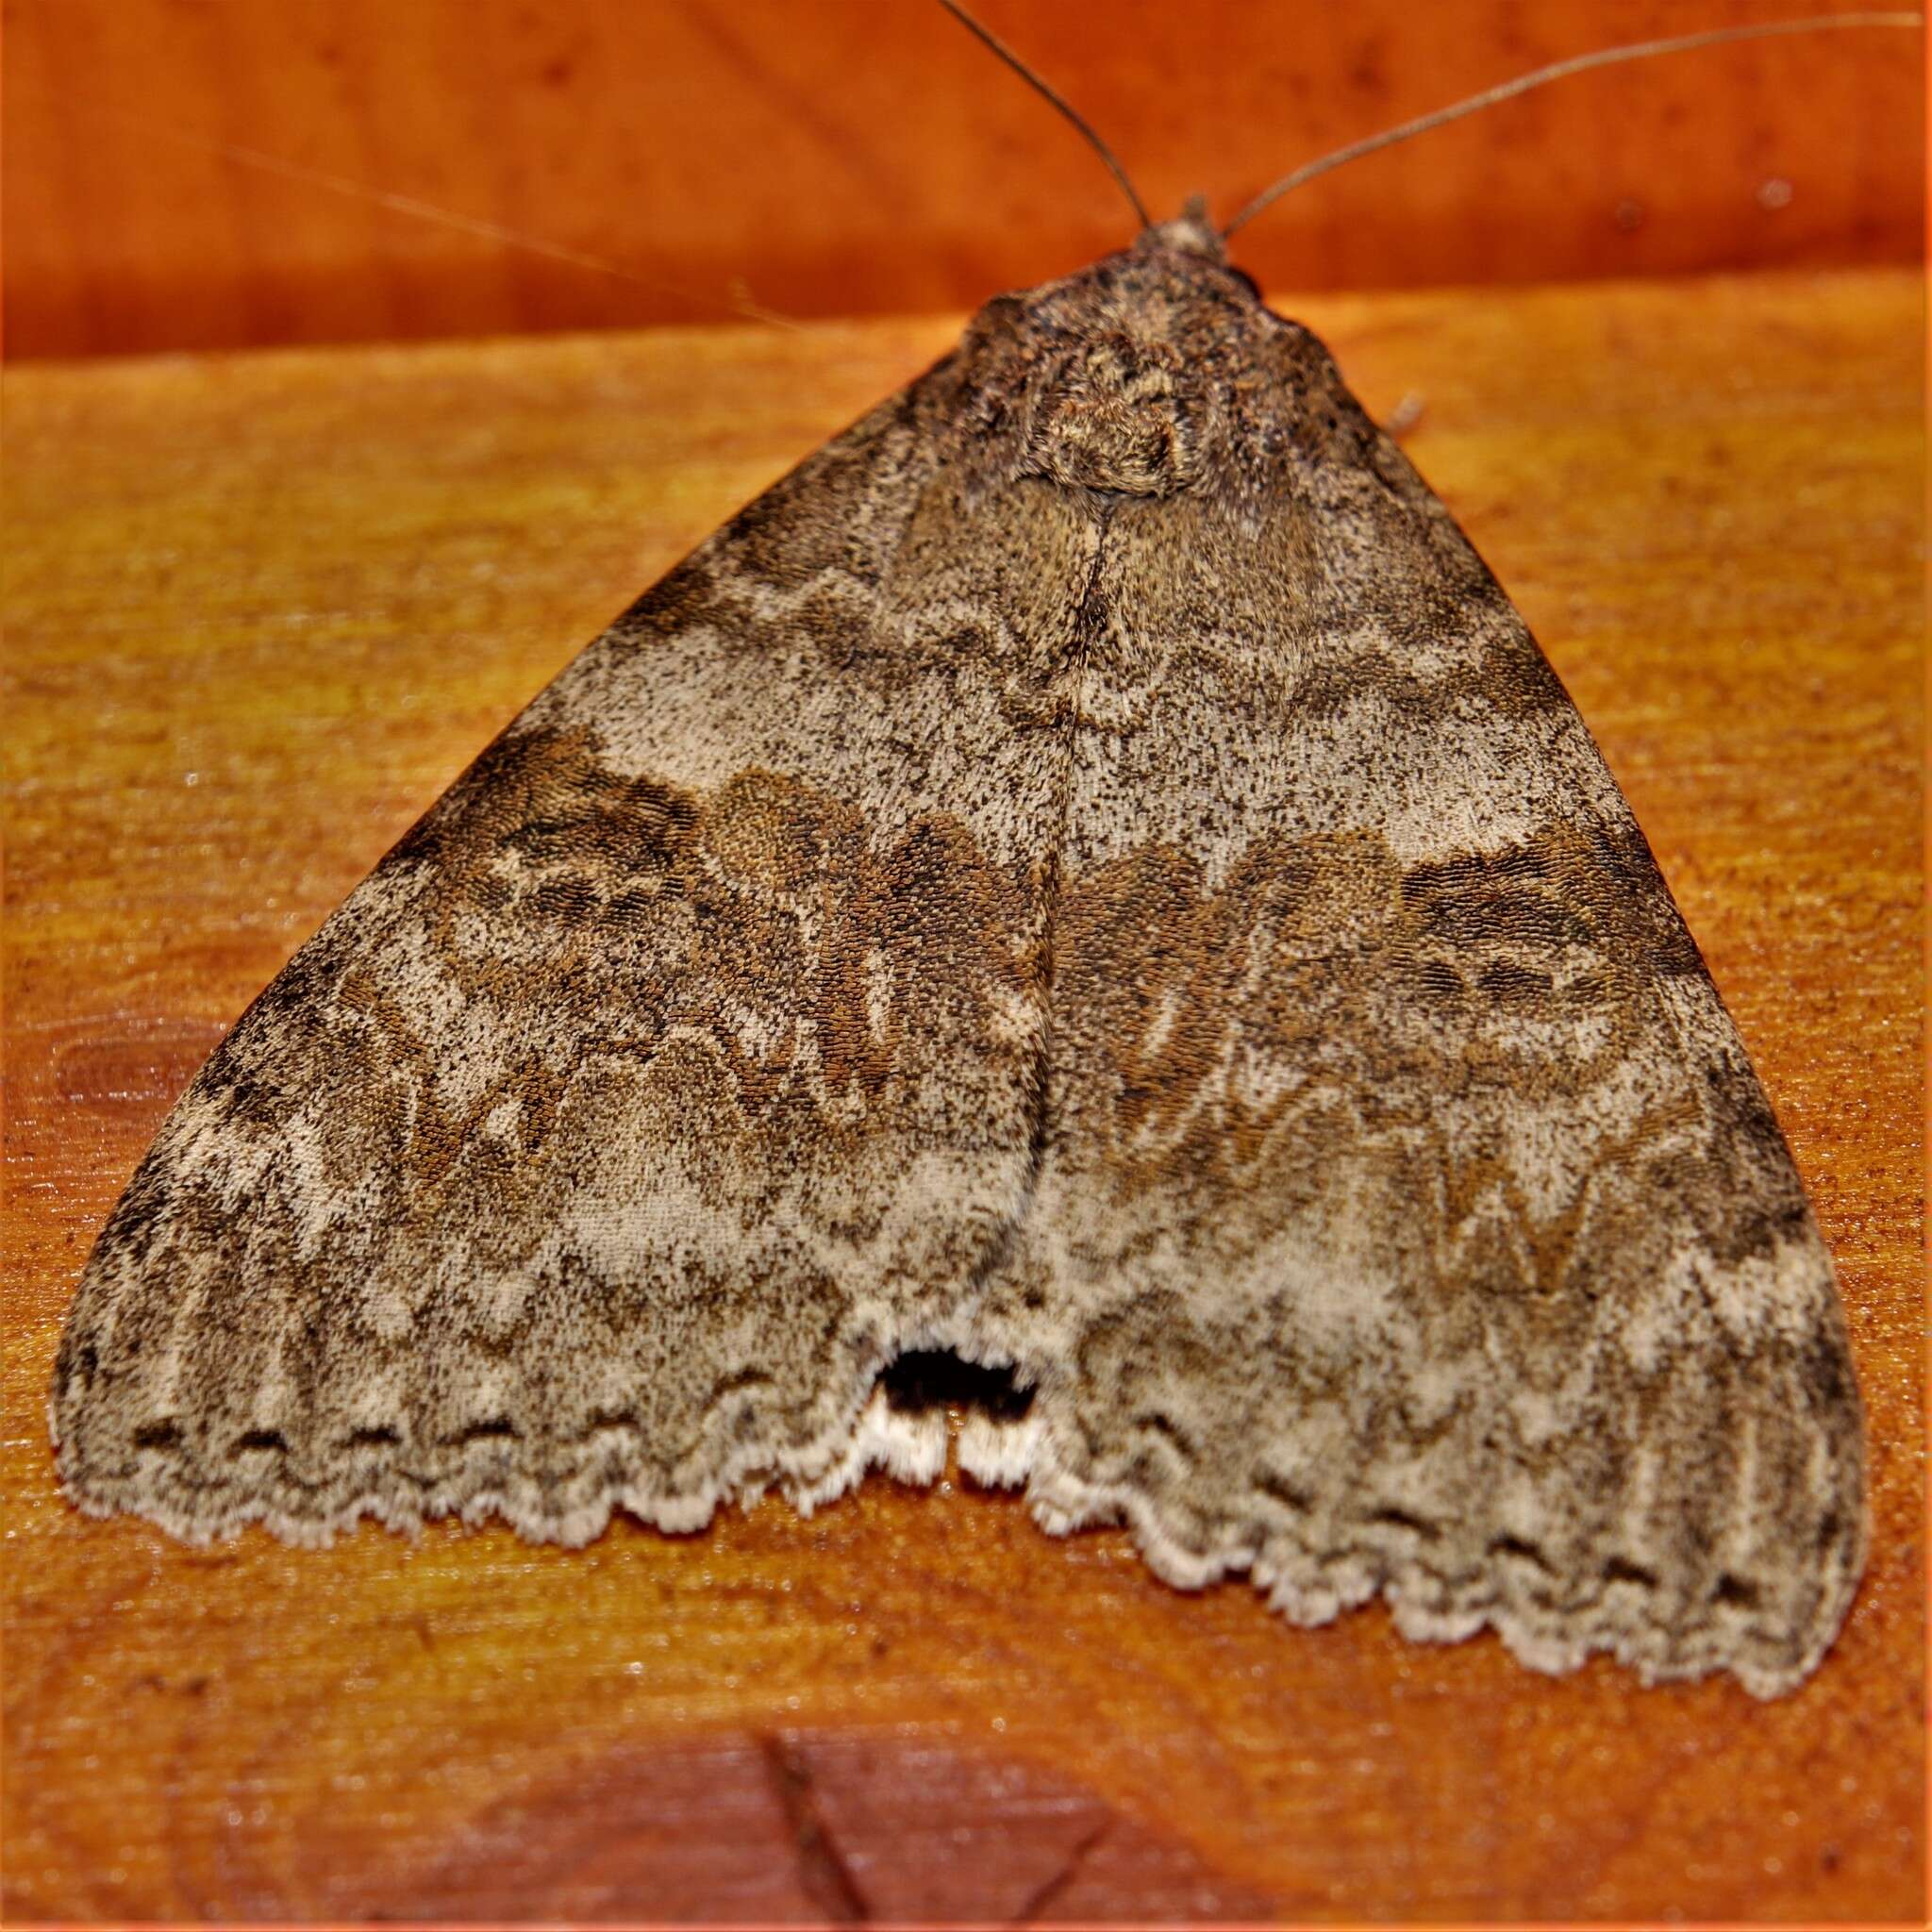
198 174
260 610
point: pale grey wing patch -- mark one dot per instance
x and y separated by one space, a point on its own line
675 1072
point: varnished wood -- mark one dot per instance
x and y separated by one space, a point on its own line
260 609
857 156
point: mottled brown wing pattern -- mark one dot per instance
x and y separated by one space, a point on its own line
1414 1217
682 1058
1090 874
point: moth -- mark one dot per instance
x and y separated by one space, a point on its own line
1087 883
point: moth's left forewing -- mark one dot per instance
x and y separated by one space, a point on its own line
603 1146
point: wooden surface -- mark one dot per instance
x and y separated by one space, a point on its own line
866 156
262 609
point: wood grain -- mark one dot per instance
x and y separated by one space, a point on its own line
260 609
855 156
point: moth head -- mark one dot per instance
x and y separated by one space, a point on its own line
1117 378
1190 232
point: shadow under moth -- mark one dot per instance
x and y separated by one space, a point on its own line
1087 878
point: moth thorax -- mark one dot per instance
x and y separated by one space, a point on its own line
1115 422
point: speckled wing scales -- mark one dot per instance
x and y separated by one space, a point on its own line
1411 1215
1090 875
684 1056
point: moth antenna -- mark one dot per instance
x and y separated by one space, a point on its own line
1040 86
1542 76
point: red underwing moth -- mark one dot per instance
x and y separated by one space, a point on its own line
1087 883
